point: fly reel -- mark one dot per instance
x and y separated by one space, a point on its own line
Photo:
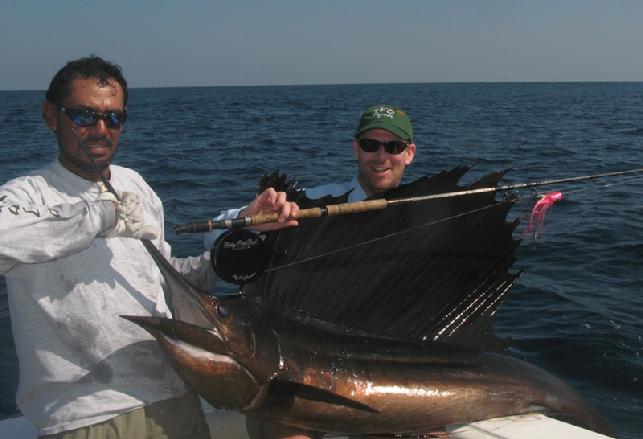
239 256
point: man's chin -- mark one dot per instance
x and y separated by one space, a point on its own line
383 184
103 162
102 156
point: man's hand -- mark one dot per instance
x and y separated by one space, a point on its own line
271 201
129 218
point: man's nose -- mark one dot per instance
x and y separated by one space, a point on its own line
381 151
100 127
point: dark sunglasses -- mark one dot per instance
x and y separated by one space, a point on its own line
88 118
391 147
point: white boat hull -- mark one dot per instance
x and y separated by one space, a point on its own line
226 424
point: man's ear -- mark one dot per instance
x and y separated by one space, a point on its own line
355 149
50 115
410 153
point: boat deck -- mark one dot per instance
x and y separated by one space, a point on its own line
231 425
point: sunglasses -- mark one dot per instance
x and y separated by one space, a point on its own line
88 118
391 147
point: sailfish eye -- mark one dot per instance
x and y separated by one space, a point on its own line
223 311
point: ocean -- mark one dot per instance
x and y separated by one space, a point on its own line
577 310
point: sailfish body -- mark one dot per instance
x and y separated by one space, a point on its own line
359 385
381 356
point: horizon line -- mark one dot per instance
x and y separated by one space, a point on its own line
130 87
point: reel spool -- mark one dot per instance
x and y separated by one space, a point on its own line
239 256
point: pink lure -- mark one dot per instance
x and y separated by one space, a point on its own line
537 220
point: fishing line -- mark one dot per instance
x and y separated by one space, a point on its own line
146 242
230 249
388 236
509 195
104 179
569 194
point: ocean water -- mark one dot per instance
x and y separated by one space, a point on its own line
577 311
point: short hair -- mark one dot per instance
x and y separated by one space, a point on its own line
91 66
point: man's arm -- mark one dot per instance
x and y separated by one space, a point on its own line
31 232
197 270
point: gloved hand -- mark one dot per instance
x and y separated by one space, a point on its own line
129 218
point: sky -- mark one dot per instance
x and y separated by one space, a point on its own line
163 43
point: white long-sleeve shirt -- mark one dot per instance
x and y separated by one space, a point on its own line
80 363
332 189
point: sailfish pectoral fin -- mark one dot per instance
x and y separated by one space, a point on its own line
312 393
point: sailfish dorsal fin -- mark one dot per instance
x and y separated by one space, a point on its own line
431 271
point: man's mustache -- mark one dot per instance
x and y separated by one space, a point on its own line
94 141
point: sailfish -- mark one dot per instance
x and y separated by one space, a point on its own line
369 324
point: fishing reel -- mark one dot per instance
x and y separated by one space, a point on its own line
239 256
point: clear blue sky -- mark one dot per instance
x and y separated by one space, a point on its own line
253 42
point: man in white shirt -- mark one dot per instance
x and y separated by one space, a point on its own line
74 261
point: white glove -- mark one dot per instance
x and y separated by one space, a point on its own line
129 218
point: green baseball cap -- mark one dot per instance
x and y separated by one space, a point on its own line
387 118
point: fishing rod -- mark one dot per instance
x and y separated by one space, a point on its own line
379 204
